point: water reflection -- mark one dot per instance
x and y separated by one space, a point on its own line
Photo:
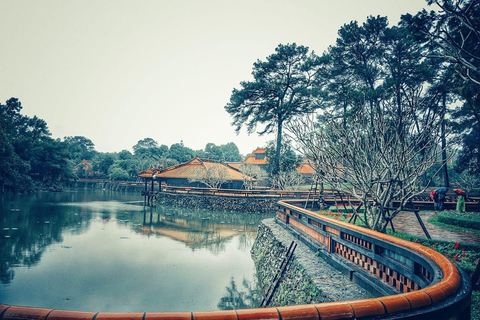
247 297
201 228
80 250
27 228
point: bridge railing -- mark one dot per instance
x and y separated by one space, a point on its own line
419 282
330 197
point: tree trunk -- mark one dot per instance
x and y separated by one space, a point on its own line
276 170
376 218
444 142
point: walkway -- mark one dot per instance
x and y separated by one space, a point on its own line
407 222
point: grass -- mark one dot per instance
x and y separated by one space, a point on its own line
475 305
457 221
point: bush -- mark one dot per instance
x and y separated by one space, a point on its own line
118 174
471 221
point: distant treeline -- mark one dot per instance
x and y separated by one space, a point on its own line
30 159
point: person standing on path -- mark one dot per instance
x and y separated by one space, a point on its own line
461 195
434 197
442 194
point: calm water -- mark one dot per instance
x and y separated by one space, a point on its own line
103 251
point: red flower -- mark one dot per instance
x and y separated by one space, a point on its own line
455 257
457 245
463 254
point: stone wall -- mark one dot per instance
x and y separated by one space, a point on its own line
108 185
247 205
307 278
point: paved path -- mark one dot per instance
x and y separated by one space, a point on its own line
408 223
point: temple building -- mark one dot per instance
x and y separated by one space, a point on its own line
181 174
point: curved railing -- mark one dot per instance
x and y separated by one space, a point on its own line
423 283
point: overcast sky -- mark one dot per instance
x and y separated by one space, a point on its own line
118 71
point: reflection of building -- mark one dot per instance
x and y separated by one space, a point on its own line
196 234
178 175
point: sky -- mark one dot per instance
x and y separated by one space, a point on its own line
118 71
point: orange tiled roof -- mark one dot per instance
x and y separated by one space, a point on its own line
305 168
250 159
260 150
185 170
235 165
87 165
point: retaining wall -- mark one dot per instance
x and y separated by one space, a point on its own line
108 185
425 284
212 202
306 279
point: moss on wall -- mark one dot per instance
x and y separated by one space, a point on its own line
307 278
295 287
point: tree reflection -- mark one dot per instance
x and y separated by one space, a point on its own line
237 298
27 229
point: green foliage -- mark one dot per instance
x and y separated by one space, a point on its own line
147 143
231 152
285 85
124 155
50 162
29 157
227 152
117 173
476 305
469 157
213 152
104 162
453 218
80 148
453 34
13 170
288 160
180 153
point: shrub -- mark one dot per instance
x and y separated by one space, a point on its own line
471 221
118 174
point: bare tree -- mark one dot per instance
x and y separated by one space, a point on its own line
374 161
251 174
288 179
212 176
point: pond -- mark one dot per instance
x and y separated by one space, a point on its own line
104 252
